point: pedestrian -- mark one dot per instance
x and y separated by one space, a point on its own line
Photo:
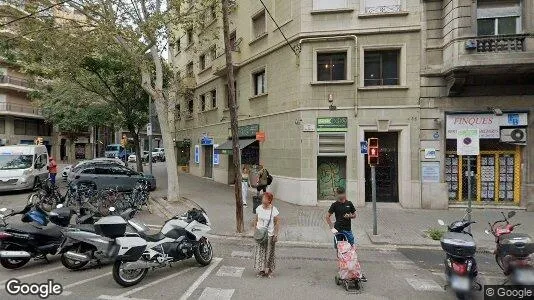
52 170
264 179
244 185
264 254
344 212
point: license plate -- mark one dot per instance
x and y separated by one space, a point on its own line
460 283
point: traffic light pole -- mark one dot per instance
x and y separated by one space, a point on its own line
373 191
149 135
469 192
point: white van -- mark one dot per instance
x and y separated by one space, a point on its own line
22 166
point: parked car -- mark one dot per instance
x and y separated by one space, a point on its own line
113 150
133 157
109 175
68 169
111 160
21 167
159 153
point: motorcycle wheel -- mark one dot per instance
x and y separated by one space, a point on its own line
204 252
13 263
498 259
73 264
127 278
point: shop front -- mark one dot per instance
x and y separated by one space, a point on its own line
496 171
332 156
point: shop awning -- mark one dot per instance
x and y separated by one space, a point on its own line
227 146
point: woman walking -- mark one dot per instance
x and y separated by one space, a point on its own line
264 254
244 185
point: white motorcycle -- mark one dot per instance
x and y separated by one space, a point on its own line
182 237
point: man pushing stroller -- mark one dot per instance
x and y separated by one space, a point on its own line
344 212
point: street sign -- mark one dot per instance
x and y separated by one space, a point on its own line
332 124
197 154
216 155
260 136
149 129
467 142
363 147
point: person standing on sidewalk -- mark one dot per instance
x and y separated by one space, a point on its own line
264 254
264 179
344 211
244 185
52 170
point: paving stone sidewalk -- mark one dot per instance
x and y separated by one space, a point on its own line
396 225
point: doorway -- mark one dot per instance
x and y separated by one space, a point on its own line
208 161
331 174
387 179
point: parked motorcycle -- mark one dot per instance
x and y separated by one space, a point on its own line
514 251
460 264
181 237
83 244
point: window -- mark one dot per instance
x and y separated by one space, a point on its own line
382 6
258 25
189 34
20 126
2 125
214 99
233 41
329 4
332 66
498 17
90 170
213 12
202 62
213 53
381 68
259 83
190 106
190 70
178 45
178 110
203 102
227 99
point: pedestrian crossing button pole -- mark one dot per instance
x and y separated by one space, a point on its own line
372 159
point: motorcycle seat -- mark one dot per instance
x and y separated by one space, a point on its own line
50 230
86 227
152 237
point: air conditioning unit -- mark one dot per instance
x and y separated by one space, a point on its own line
516 136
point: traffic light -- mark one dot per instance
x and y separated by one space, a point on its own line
124 141
39 141
372 151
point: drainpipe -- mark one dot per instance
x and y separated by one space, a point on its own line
340 37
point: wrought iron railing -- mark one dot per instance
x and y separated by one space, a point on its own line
383 9
26 109
510 43
14 81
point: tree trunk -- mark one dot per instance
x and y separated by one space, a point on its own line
232 103
138 152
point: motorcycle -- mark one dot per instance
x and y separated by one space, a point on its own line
460 264
514 251
181 237
83 244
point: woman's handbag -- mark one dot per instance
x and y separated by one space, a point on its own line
261 235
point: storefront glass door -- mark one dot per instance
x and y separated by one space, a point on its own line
331 174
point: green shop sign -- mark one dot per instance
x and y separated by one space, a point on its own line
247 131
334 124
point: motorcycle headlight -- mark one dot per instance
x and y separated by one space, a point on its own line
449 262
469 265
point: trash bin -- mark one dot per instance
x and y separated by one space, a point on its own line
256 201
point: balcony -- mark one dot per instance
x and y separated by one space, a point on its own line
20 110
500 44
219 64
14 83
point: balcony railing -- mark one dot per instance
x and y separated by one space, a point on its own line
383 9
6 79
514 43
18 108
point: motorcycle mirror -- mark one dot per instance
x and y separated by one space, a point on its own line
59 205
511 214
3 209
440 222
111 209
487 232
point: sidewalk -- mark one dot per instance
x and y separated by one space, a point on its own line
396 226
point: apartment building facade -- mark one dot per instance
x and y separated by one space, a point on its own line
478 73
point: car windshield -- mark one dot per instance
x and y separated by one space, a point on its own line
15 162
112 148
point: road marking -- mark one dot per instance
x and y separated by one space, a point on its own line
227 271
216 294
108 297
424 285
155 282
241 254
3 283
66 293
216 261
403 265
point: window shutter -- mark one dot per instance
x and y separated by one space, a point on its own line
332 143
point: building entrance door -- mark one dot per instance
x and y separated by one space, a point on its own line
331 174
208 161
387 180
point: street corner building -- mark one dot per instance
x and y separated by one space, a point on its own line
325 76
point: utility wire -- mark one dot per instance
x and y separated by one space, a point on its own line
34 13
279 29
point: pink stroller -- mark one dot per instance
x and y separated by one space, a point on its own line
350 272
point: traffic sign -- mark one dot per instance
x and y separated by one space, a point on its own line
467 142
149 129
373 151
363 147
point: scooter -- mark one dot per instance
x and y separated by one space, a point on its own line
181 237
83 244
514 251
460 264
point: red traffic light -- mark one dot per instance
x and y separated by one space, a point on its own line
373 151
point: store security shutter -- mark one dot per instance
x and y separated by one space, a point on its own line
332 144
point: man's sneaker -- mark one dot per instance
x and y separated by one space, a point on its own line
363 279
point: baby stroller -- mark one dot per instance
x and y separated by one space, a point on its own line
350 272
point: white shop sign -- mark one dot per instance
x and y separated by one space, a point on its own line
488 125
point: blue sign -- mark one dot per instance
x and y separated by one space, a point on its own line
206 141
513 119
197 154
216 155
363 147
436 135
